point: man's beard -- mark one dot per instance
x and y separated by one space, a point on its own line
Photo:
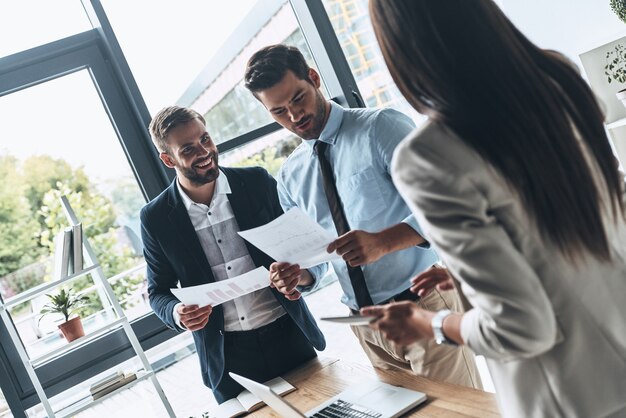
317 120
199 179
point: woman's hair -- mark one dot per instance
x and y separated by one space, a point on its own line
465 65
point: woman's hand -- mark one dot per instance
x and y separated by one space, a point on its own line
401 322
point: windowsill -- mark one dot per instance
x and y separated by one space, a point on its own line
618 123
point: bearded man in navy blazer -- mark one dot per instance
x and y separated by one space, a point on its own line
190 237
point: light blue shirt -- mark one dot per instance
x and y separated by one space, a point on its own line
361 144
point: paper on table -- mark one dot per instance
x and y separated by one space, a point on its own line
224 290
292 238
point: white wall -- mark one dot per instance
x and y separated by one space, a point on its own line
573 27
569 26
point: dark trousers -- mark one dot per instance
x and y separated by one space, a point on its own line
262 354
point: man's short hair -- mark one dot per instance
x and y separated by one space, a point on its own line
270 64
167 119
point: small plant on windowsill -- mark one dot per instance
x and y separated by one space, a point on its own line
66 303
615 69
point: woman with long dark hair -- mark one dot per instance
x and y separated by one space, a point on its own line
515 184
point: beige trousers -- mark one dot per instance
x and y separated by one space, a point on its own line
426 358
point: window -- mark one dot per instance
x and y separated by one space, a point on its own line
268 152
71 129
71 150
197 53
26 23
210 79
351 22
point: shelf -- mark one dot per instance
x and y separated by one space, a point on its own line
616 124
44 287
88 402
74 405
38 361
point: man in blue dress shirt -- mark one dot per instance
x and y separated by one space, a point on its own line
384 241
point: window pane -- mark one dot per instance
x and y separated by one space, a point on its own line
195 55
351 21
25 24
268 152
58 140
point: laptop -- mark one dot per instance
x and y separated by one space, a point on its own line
369 399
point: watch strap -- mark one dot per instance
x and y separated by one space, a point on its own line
437 326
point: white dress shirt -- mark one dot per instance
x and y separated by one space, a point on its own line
228 256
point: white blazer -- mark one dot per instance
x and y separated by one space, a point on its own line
553 332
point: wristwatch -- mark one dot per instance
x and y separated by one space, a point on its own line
437 325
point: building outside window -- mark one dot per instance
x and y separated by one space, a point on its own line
351 22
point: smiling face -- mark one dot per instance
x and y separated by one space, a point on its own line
192 153
296 104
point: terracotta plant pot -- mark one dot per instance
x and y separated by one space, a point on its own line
72 329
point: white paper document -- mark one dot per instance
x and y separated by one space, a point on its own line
224 290
293 238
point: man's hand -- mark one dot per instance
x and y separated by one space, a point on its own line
401 322
285 277
426 281
194 318
358 248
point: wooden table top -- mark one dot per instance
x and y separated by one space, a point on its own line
323 378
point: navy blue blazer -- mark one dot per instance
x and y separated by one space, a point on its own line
173 254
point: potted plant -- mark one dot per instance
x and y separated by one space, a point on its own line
66 303
619 8
615 69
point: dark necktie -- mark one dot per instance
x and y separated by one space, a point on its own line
357 279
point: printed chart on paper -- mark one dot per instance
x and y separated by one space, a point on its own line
224 290
293 238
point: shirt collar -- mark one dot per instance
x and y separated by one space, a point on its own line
221 187
329 133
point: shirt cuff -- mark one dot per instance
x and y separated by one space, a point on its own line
469 324
412 222
176 316
316 273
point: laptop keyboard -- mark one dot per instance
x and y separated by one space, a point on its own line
342 409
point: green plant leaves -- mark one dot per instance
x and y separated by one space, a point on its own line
65 302
619 8
615 68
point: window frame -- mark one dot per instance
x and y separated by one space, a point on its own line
84 51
